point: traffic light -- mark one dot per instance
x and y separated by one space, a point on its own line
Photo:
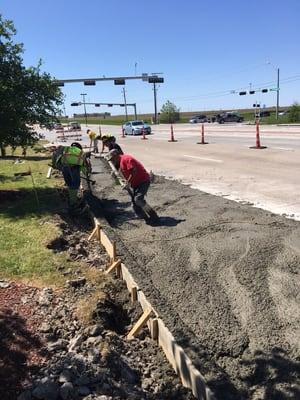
251 91
75 104
264 90
122 105
89 83
256 105
119 81
155 79
109 105
242 93
97 105
58 83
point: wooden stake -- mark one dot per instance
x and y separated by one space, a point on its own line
139 324
114 265
154 328
49 173
92 235
133 294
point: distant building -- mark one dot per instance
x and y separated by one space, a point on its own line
99 115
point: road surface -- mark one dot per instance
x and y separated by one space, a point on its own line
226 166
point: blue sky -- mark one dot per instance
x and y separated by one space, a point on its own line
205 49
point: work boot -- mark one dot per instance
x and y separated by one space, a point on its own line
152 216
139 212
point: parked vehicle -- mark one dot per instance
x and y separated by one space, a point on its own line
229 117
75 126
282 113
136 128
58 127
211 118
198 119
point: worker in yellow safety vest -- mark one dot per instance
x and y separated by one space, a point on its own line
93 140
71 160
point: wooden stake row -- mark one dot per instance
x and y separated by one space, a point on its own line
190 376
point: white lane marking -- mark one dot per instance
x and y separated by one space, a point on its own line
283 148
204 158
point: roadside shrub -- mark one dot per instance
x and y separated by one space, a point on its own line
294 113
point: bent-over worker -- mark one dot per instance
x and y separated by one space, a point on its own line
71 160
110 142
93 140
137 183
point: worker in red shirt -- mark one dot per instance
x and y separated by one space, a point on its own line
137 182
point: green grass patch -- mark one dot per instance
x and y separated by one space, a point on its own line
28 219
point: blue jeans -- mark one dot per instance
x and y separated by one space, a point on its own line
71 176
140 192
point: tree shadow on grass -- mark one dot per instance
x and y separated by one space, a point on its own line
27 158
16 343
18 203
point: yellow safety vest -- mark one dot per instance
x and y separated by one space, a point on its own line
73 156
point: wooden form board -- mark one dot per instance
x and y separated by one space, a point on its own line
190 376
182 364
110 247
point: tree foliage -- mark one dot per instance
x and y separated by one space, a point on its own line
169 113
294 113
27 95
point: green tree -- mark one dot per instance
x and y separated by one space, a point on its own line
294 112
169 113
27 95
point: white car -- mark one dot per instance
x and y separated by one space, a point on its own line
136 128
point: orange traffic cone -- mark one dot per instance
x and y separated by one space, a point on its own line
144 136
258 145
172 135
202 136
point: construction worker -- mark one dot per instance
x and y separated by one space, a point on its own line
70 160
137 182
93 140
110 142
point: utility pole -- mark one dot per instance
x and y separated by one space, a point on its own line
277 101
83 100
124 94
155 103
135 115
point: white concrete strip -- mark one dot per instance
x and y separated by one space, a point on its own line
203 158
283 148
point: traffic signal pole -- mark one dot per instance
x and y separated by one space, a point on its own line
83 100
125 104
277 99
155 103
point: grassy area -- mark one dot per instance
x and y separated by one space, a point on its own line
27 223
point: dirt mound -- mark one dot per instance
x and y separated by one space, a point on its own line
224 277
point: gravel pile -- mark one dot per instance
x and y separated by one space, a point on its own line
66 356
225 279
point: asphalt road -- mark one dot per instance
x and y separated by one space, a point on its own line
226 166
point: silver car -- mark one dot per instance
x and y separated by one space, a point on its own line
198 119
136 128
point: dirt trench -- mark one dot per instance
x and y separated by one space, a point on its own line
223 276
